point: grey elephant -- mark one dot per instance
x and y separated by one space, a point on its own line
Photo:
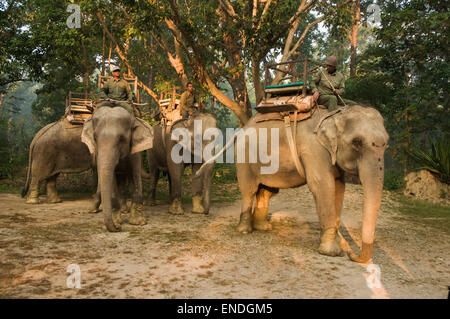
351 141
160 159
115 139
55 149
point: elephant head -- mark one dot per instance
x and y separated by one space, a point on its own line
113 134
356 140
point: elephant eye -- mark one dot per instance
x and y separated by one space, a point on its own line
357 142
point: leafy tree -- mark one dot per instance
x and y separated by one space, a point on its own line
405 72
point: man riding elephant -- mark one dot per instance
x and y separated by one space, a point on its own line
188 102
117 92
329 86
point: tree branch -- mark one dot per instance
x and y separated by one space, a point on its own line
124 58
221 97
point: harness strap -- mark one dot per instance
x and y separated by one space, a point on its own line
292 143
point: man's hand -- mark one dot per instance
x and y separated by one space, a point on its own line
316 95
336 91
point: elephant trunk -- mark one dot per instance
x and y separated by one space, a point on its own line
371 174
108 159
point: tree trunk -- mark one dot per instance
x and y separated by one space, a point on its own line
103 52
256 74
354 37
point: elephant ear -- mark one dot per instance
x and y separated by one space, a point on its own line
87 135
327 136
142 136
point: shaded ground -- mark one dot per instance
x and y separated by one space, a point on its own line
195 256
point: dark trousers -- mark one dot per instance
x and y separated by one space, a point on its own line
123 104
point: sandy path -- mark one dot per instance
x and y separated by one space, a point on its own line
194 256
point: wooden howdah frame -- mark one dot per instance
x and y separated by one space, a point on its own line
168 105
79 106
290 73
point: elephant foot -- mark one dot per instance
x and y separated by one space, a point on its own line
94 209
95 205
329 244
176 208
260 219
124 209
245 223
136 215
197 206
263 225
117 218
33 198
54 199
112 224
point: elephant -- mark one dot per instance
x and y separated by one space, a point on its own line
160 159
329 146
115 139
55 149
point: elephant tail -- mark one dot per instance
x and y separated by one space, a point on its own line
212 159
30 156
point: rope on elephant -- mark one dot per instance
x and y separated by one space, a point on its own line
329 114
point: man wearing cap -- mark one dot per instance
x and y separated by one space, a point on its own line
329 86
188 102
117 92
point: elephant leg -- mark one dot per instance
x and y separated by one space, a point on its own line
339 189
324 190
175 178
96 201
136 211
121 193
154 177
248 190
33 195
261 210
197 187
115 200
95 180
207 180
52 194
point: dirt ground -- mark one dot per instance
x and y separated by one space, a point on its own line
194 256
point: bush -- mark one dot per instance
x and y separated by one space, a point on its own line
435 159
394 180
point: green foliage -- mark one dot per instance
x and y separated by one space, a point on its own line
16 127
224 173
436 158
403 72
394 180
